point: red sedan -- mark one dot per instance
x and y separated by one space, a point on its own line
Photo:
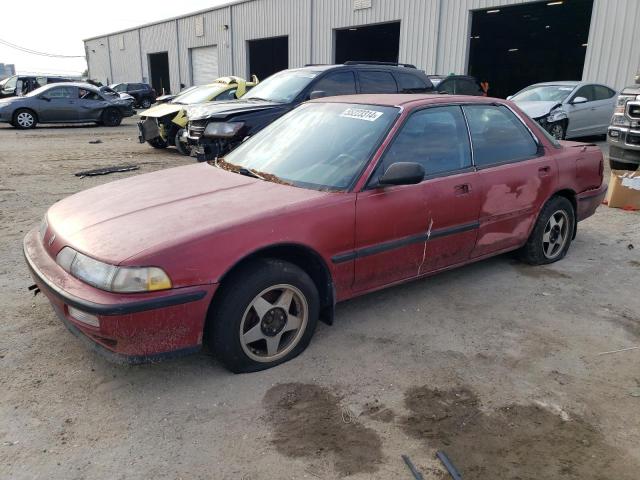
338 198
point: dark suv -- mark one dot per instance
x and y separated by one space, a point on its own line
216 128
23 84
144 94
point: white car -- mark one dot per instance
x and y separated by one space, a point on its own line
568 109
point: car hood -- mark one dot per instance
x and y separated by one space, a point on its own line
161 110
118 220
229 107
536 109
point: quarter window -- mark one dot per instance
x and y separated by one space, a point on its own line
341 83
377 82
436 138
498 136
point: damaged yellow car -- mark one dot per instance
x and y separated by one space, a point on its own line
164 125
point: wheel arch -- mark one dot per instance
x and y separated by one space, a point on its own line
303 257
20 109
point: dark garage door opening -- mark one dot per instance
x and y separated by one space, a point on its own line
379 43
268 56
159 72
512 47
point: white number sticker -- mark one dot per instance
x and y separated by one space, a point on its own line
361 114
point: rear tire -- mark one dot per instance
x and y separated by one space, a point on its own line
157 143
263 315
616 165
552 234
111 117
24 119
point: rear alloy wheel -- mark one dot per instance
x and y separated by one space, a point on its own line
181 145
145 103
557 130
552 233
111 117
264 315
24 119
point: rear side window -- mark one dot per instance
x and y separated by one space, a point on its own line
498 136
411 83
436 138
602 93
339 83
377 82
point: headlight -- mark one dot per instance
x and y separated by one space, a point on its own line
222 129
110 277
619 120
621 102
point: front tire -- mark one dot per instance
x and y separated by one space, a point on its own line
558 130
616 165
181 146
111 117
145 103
24 119
552 234
158 143
265 314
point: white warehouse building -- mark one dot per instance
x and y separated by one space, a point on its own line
508 43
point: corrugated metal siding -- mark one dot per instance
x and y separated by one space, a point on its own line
126 63
214 34
161 38
613 54
272 18
434 35
418 26
98 60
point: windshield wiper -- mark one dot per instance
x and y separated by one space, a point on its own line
260 99
248 173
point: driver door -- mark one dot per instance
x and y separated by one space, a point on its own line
581 115
406 231
58 104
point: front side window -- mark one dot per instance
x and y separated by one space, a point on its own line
339 83
587 92
283 87
60 92
321 146
498 136
85 94
377 82
436 138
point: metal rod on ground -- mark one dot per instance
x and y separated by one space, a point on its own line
448 465
618 351
416 474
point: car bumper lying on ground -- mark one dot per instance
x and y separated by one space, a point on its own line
125 328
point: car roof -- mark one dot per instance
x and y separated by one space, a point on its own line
405 99
360 66
564 83
84 85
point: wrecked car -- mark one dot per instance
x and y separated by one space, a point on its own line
623 136
568 109
164 124
64 103
340 197
215 129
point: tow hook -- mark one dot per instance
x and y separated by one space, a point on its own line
35 289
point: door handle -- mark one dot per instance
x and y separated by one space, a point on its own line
544 171
463 189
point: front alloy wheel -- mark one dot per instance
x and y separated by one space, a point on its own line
273 323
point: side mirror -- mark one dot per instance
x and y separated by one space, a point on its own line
47 99
317 94
509 97
578 100
402 173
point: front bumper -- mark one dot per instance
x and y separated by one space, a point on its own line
133 328
624 144
589 201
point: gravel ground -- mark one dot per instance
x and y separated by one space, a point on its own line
496 363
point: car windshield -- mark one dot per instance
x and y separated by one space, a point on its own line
199 94
321 146
544 93
108 91
282 87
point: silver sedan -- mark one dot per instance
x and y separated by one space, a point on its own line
568 109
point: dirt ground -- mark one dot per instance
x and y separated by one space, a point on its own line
497 364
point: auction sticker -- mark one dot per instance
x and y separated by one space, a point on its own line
361 114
